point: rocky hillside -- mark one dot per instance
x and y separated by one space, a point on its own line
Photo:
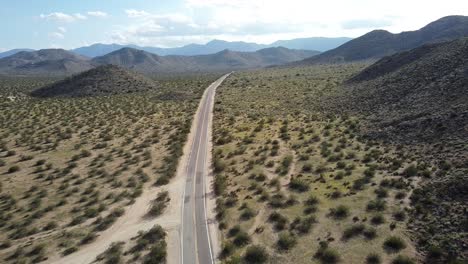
103 80
48 62
380 43
420 94
418 100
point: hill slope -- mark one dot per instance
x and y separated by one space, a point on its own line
380 43
103 80
146 62
420 94
44 62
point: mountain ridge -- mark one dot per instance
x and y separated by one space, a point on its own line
61 62
379 43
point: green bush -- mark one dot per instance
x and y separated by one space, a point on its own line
353 231
373 258
394 243
410 171
330 256
403 260
378 219
299 185
13 169
312 200
370 233
286 241
227 249
307 167
340 212
157 253
377 205
241 239
256 254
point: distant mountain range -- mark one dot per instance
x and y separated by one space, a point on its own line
318 43
379 43
215 46
56 62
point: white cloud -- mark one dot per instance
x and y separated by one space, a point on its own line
56 35
62 17
266 21
132 13
99 14
62 29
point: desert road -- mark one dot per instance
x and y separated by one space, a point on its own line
195 236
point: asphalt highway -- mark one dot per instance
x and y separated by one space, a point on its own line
195 236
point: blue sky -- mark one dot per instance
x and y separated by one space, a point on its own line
74 23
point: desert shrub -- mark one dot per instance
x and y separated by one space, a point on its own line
377 205
402 260
69 250
340 212
219 165
307 167
286 241
394 243
381 192
369 172
336 194
157 253
106 222
234 230
159 204
298 185
434 253
378 219
373 258
359 184
146 239
353 231
13 169
303 225
256 254
5 244
247 213
113 254
311 200
399 215
410 171
370 233
279 220
400 195
227 249
241 239
328 256
90 237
